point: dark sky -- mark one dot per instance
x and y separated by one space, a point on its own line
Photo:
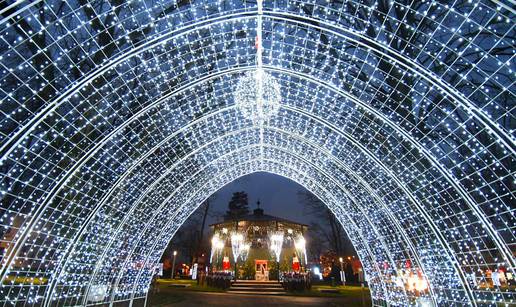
277 195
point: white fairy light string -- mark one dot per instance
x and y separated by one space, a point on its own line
116 121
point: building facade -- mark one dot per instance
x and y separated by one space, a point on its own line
260 243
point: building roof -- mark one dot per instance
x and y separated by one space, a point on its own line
258 216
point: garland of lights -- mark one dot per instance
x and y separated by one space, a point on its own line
113 116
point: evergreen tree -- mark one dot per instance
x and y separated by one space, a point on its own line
238 205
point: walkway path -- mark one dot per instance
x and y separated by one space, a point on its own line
226 300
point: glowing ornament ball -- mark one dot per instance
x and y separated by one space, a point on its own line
258 95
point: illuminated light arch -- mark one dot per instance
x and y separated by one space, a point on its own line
416 101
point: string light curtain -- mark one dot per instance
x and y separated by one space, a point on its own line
118 119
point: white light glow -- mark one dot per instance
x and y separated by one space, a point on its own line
276 244
117 119
300 245
237 244
258 95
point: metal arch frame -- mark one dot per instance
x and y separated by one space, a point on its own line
167 201
324 124
49 198
19 11
301 139
138 277
402 231
442 170
172 168
355 143
305 77
247 15
486 126
163 38
323 172
415 206
505 6
358 204
151 186
111 191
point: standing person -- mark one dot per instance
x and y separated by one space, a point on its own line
295 263
154 285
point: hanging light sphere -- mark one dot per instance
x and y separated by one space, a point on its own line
258 95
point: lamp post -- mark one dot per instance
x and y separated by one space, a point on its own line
361 277
342 274
174 264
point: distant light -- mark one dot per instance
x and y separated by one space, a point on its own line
317 272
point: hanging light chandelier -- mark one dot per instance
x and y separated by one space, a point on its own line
258 94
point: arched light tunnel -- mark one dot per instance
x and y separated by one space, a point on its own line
118 118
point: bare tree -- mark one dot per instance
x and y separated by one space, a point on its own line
324 226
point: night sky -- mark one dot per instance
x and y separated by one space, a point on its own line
277 195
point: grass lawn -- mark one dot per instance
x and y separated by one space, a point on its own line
190 285
23 280
354 292
169 294
349 295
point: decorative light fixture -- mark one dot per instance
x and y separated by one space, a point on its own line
216 245
237 243
244 253
276 243
258 94
300 245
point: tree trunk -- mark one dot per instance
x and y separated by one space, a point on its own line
203 224
333 231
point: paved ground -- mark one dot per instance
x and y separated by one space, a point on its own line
230 300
